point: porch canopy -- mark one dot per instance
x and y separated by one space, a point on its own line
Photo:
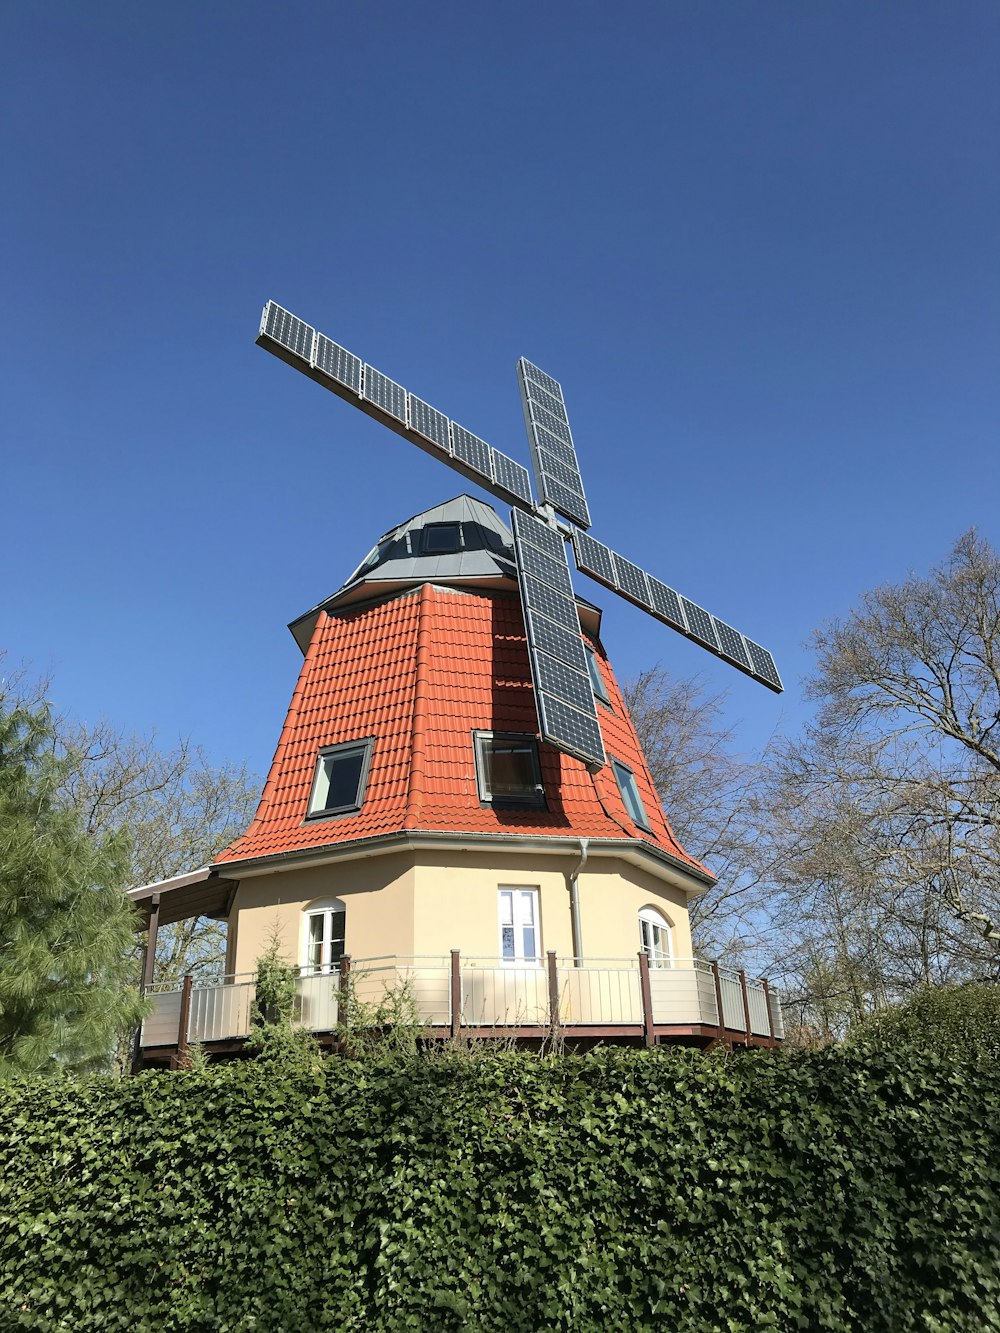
201 892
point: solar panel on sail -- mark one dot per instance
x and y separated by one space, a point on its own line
471 450
556 605
285 328
385 393
511 476
543 567
594 558
337 362
532 529
567 728
631 580
560 679
700 623
555 640
763 665
731 643
666 603
557 471
428 421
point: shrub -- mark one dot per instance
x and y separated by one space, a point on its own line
937 1018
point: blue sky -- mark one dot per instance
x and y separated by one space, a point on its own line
757 243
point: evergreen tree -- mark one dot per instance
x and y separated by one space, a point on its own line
66 928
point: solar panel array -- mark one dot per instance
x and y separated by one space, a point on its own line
557 472
566 709
324 360
680 613
567 714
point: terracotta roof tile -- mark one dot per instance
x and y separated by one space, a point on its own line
420 673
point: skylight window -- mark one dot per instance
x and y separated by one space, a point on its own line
507 769
341 778
630 794
596 679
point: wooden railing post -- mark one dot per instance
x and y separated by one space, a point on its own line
553 991
180 1060
770 1016
343 997
456 993
746 1005
646 989
718 1001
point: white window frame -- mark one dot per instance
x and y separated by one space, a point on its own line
533 800
518 893
655 936
366 747
631 799
325 910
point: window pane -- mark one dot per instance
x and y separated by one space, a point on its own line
507 941
442 537
316 941
528 908
338 923
529 942
596 679
506 908
630 794
510 769
343 777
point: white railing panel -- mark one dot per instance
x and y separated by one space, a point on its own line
757 1003
428 982
708 1001
503 996
599 995
776 1014
732 1001
160 1028
676 995
218 1012
318 1007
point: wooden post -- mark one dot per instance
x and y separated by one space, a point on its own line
149 957
770 1016
180 1060
648 1035
456 993
746 1004
146 974
343 1000
553 990
718 1001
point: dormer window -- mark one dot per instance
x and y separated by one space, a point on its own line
596 679
341 778
442 538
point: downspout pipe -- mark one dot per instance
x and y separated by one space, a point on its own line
574 903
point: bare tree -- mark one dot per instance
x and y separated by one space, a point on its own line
885 813
179 810
712 797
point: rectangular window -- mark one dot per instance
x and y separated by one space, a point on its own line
507 769
325 942
519 938
596 679
442 538
630 794
341 778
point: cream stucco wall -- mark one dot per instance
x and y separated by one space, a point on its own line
427 902
378 893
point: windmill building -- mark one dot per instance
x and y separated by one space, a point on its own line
458 800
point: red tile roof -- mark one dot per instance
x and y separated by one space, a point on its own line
420 673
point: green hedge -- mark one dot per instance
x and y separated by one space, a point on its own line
618 1191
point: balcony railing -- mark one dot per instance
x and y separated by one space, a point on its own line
455 995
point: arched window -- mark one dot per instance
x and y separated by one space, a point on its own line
654 931
323 935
